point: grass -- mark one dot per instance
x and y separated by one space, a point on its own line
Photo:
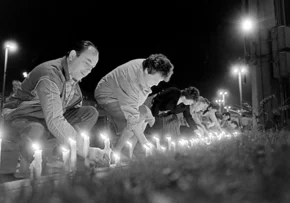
253 167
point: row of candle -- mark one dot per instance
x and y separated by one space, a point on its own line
69 156
171 145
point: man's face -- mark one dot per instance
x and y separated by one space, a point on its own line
81 66
152 79
200 106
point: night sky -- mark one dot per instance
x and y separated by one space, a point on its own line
202 40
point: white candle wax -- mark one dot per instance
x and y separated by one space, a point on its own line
169 143
36 165
65 158
130 149
173 146
0 149
157 142
73 155
86 144
146 150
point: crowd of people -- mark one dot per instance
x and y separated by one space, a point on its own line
48 104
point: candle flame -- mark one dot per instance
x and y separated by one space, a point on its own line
168 138
116 156
35 146
71 140
146 147
84 135
156 138
163 148
104 137
64 149
129 143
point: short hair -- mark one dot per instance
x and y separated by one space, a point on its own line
191 93
81 46
159 63
227 114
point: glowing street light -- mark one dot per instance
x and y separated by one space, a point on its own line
247 25
25 74
240 69
9 46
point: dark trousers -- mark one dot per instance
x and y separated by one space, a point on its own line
35 130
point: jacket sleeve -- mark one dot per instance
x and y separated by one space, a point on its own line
189 119
49 96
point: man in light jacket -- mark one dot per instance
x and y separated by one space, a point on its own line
124 90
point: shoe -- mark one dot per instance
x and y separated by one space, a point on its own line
22 168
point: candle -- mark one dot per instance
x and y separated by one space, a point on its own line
146 150
130 149
173 146
36 165
163 148
86 144
107 148
73 155
0 149
168 143
157 142
117 158
65 158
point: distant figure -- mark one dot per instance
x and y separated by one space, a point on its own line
123 91
16 84
210 115
170 102
196 111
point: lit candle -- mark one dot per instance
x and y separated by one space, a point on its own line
163 148
36 165
86 144
117 158
107 148
0 149
157 142
168 143
173 146
65 158
130 149
146 150
73 155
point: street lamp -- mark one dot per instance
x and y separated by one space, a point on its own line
223 94
219 101
240 69
228 108
25 74
9 46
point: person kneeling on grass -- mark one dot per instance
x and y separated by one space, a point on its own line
48 105
124 90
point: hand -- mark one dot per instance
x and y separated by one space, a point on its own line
97 158
151 121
